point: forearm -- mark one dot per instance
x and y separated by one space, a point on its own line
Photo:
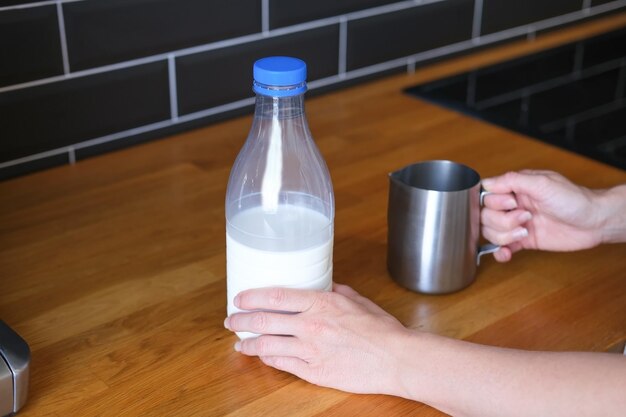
466 379
612 205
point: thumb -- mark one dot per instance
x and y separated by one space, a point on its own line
512 182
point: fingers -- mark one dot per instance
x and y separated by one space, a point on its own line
504 237
351 294
295 366
514 182
505 253
538 172
504 227
504 220
262 322
345 290
278 299
500 202
267 345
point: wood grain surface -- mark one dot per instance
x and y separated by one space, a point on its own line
113 269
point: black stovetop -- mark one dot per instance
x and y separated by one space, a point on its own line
572 96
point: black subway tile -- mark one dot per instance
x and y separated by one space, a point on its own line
104 32
29 44
572 98
620 154
4 3
597 2
525 72
604 48
507 114
393 35
451 90
54 115
220 76
500 15
289 12
161 133
601 129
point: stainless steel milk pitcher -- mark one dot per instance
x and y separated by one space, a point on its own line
434 226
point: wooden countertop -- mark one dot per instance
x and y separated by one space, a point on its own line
114 269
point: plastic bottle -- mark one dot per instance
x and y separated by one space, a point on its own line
279 202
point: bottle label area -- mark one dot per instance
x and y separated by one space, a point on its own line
292 247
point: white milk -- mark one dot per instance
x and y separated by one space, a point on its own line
291 247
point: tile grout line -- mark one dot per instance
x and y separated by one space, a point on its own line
28 5
502 35
583 115
63 38
524 109
579 55
130 132
551 22
235 105
478 19
343 46
34 157
547 84
389 8
359 14
123 134
621 81
470 99
171 72
220 109
71 155
373 69
570 130
265 17
610 146
35 4
410 65
221 43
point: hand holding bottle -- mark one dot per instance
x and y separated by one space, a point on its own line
340 339
343 340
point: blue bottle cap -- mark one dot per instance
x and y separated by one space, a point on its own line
279 76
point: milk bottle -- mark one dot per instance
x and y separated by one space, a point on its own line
279 202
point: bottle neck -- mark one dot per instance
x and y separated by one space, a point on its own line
284 107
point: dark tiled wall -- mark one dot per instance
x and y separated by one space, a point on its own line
597 2
29 44
82 77
499 15
289 12
104 32
66 112
200 83
573 96
402 33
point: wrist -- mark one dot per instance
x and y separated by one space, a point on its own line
419 365
612 214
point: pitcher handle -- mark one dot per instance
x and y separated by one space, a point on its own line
490 247
486 249
483 193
